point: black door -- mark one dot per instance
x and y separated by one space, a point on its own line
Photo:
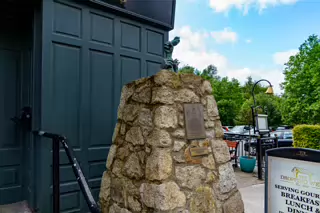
14 94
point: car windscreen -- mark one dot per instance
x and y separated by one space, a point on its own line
237 129
287 135
278 134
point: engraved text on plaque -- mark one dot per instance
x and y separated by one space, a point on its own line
194 121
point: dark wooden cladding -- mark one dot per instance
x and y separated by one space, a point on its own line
161 12
88 55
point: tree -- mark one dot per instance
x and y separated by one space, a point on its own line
269 104
210 72
229 97
187 69
228 111
247 88
301 98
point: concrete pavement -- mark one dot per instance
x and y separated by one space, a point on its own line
253 198
252 191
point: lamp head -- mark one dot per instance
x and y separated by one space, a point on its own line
270 91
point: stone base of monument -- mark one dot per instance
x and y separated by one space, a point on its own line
167 153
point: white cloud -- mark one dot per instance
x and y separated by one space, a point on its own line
223 6
224 36
248 41
280 58
193 51
275 76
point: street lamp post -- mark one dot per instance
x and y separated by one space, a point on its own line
256 125
253 108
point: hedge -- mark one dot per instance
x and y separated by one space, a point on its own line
306 136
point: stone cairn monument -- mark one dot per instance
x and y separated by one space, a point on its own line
168 155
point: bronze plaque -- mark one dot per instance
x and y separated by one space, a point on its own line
194 121
199 151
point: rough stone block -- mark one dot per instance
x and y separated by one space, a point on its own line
152 167
227 178
159 164
234 204
220 151
212 106
203 201
206 88
190 176
167 78
132 167
134 136
166 117
163 95
164 197
186 96
159 138
111 155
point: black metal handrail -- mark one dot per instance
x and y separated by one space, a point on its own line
262 144
240 135
56 140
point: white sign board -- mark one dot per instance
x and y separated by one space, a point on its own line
262 122
293 186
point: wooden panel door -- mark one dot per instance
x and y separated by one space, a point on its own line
11 140
87 56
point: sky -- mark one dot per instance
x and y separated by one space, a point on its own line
244 37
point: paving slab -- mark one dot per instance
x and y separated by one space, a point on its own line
246 179
252 191
253 198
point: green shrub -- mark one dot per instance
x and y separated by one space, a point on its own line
306 136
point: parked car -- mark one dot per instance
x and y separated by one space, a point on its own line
240 129
284 127
227 128
285 137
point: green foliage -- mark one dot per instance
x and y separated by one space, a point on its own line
228 111
187 69
306 136
301 99
247 88
229 97
269 104
210 72
234 101
300 103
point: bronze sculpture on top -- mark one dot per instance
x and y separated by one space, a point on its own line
168 62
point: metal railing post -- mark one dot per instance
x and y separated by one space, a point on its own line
259 158
276 142
56 174
56 140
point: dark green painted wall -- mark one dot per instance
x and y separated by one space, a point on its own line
87 56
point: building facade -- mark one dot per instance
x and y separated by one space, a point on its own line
68 60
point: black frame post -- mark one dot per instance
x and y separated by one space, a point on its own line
255 126
259 152
56 174
56 140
